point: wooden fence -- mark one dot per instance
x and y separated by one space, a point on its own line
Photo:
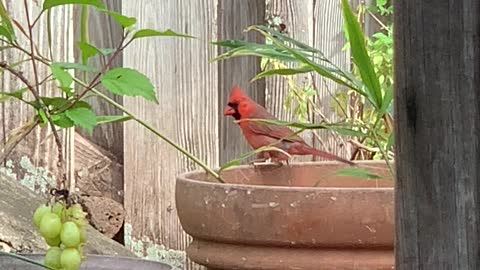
192 93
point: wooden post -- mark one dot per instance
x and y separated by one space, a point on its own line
233 18
437 80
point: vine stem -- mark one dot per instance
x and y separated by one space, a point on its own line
61 161
153 130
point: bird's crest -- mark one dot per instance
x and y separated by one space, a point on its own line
237 94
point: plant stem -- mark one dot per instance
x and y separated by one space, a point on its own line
20 76
61 161
94 81
154 131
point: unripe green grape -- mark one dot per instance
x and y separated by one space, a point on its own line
55 242
39 213
50 226
70 234
70 259
83 235
52 258
59 209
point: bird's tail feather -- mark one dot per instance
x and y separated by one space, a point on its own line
307 150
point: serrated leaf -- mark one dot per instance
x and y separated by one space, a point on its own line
357 173
104 119
63 77
129 82
82 117
121 19
53 3
76 66
62 120
88 51
54 102
154 33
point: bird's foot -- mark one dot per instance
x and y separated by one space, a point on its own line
257 163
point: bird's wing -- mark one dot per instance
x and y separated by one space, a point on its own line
277 132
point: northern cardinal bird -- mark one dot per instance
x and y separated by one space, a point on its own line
258 134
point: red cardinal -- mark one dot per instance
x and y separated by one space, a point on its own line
259 134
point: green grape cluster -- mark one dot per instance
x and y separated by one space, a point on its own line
64 230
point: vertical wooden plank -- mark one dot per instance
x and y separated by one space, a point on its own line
188 113
329 38
297 16
233 18
437 92
39 147
104 32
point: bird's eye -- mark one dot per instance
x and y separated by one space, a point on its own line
233 105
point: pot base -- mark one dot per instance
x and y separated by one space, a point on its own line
221 256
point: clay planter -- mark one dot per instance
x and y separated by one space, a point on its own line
273 218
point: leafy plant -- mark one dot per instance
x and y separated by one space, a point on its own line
286 57
69 107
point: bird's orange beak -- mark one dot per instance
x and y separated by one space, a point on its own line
228 111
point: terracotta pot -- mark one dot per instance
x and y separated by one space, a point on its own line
274 218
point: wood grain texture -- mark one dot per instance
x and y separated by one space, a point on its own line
298 19
39 146
233 17
437 97
98 172
329 38
188 113
104 32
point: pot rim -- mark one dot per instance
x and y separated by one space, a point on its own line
186 177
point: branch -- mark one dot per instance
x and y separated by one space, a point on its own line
22 78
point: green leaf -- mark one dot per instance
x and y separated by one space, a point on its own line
88 50
387 101
360 56
5 33
123 20
82 117
129 82
43 116
76 66
63 77
283 72
4 96
154 33
104 119
106 51
54 102
357 173
53 3
7 22
62 120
